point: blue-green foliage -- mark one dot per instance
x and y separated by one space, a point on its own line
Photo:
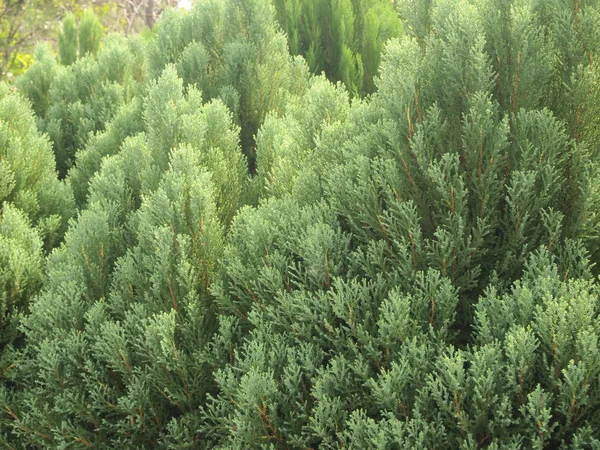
20 269
34 211
294 150
76 101
443 195
137 263
27 171
67 40
232 51
90 33
259 261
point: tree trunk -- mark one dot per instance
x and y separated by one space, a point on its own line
150 19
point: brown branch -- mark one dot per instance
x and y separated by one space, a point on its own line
516 84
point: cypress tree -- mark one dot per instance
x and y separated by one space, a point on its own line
67 40
28 171
137 263
34 210
20 270
443 201
294 150
343 38
90 32
410 270
35 84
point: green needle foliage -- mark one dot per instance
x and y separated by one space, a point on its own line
28 177
67 40
343 38
21 268
261 259
35 208
90 33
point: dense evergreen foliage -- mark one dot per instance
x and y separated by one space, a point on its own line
233 252
343 38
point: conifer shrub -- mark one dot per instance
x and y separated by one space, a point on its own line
451 201
342 38
410 270
67 40
232 51
34 211
89 33
28 178
295 147
215 48
126 123
35 84
20 269
138 260
74 101
81 104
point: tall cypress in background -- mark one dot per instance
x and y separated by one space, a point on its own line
343 38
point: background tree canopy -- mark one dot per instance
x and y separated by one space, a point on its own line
24 22
303 224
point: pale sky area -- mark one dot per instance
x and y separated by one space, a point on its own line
185 4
